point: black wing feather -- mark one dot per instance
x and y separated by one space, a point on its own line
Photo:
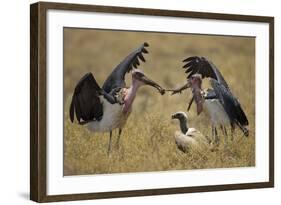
205 67
141 57
117 78
230 104
85 102
190 59
188 65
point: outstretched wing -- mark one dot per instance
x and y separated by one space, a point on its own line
205 67
230 104
86 100
117 77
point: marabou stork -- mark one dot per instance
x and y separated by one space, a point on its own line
221 105
106 108
188 138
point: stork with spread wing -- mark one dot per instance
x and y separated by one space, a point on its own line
221 105
106 108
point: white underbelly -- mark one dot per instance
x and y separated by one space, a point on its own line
113 117
216 112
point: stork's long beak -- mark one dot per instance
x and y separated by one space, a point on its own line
150 82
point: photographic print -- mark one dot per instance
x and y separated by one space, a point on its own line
135 102
151 101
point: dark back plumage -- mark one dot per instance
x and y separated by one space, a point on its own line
230 104
117 78
85 101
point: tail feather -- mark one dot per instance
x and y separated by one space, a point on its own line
244 129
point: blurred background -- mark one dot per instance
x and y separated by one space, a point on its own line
147 142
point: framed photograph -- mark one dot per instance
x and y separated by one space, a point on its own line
134 102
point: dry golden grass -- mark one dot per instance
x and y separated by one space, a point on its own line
147 142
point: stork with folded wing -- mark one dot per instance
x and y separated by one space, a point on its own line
106 108
221 105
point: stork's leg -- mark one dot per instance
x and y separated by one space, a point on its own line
215 134
232 133
109 143
118 139
224 133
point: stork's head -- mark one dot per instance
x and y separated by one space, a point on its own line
195 82
139 78
179 115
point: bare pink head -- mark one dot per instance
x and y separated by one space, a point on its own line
138 79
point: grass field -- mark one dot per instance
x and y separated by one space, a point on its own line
147 142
